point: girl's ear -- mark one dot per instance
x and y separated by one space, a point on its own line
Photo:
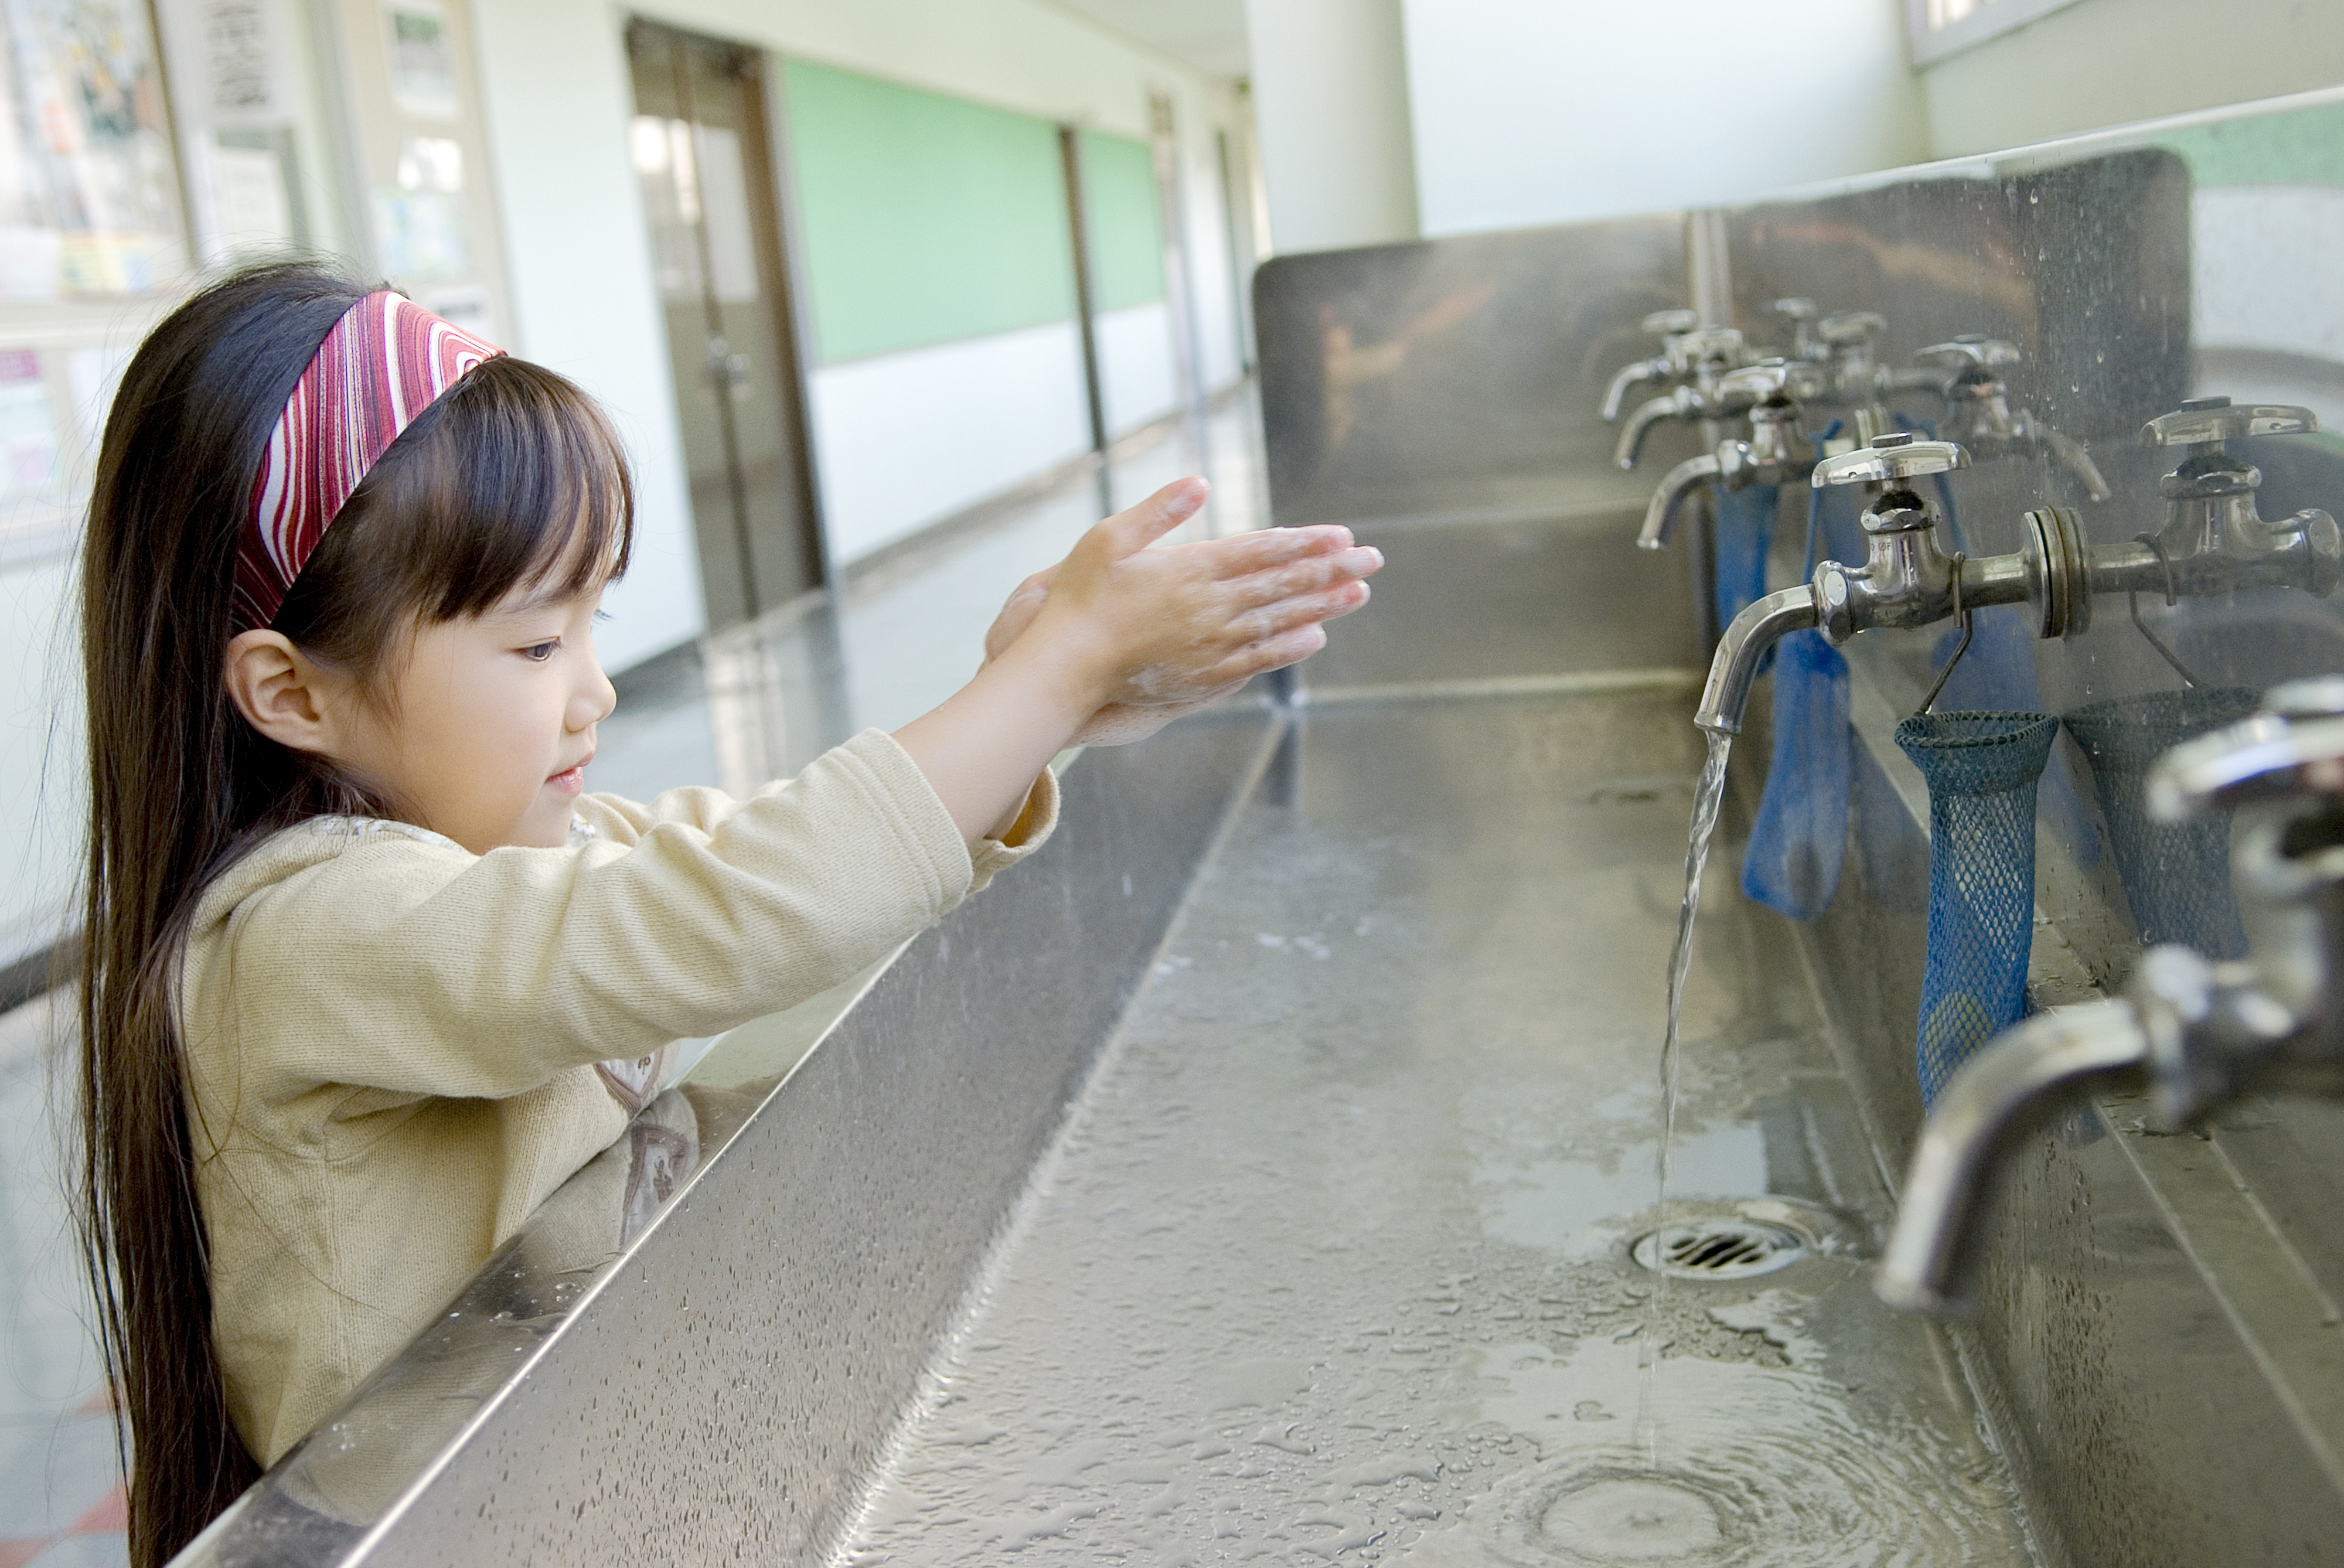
281 694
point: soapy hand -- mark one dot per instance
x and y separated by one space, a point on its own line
1117 639
1116 724
1161 633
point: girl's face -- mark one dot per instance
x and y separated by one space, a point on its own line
490 722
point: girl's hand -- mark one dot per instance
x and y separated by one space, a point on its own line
1166 631
1117 724
1118 639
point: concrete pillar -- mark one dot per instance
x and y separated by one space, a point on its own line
1330 107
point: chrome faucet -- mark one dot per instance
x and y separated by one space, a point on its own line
1842 347
1906 580
2211 528
1804 344
1979 413
1850 344
1700 359
1679 354
2201 1033
1776 453
2213 542
1850 339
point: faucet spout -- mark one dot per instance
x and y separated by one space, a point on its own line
1660 516
1996 1098
1678 404
1759 627
2078 461
1630 376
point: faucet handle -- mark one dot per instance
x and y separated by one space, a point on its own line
1971 353
1668 323
2291 750
1849 327
1801 313
1704 346
2207 423
1773 380
1893 457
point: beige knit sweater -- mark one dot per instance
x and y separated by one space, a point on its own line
397 1048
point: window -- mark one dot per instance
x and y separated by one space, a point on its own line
1943 27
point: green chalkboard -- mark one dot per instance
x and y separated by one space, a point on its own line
925 218
2302 146
1119 210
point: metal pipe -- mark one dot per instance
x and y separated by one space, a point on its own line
1759 627
1995 580
2026 1070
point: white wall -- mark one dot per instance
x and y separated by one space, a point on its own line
2112 62
1207 216
1529 112
1138 378
904 439
41 753
2267 301
1331 112
2266 272
584 300
555 78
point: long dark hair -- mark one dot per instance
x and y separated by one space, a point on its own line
512 477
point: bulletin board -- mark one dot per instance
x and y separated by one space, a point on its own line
1127 233
924 218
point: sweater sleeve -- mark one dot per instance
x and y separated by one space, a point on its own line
402 963
623 821
1029 833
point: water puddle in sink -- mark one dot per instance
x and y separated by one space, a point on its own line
1765 1468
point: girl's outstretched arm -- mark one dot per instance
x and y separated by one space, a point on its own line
1123 624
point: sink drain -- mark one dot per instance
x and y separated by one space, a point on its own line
1719 1249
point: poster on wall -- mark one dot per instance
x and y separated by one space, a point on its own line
240 55
88 204
256 207
28 430
236 68
422 61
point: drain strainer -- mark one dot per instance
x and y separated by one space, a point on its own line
1733 1248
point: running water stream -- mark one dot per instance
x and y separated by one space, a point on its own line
1708 796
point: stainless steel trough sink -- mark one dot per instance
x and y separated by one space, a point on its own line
1333 1259
1253 1177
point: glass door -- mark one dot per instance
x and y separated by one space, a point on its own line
702 154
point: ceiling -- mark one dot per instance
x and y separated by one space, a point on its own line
1209 34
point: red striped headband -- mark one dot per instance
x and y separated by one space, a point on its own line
382 365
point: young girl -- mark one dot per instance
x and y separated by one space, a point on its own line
366 974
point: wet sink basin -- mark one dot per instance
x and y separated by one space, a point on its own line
1258 1176
1334 1259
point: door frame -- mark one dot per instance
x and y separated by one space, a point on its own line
781 275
